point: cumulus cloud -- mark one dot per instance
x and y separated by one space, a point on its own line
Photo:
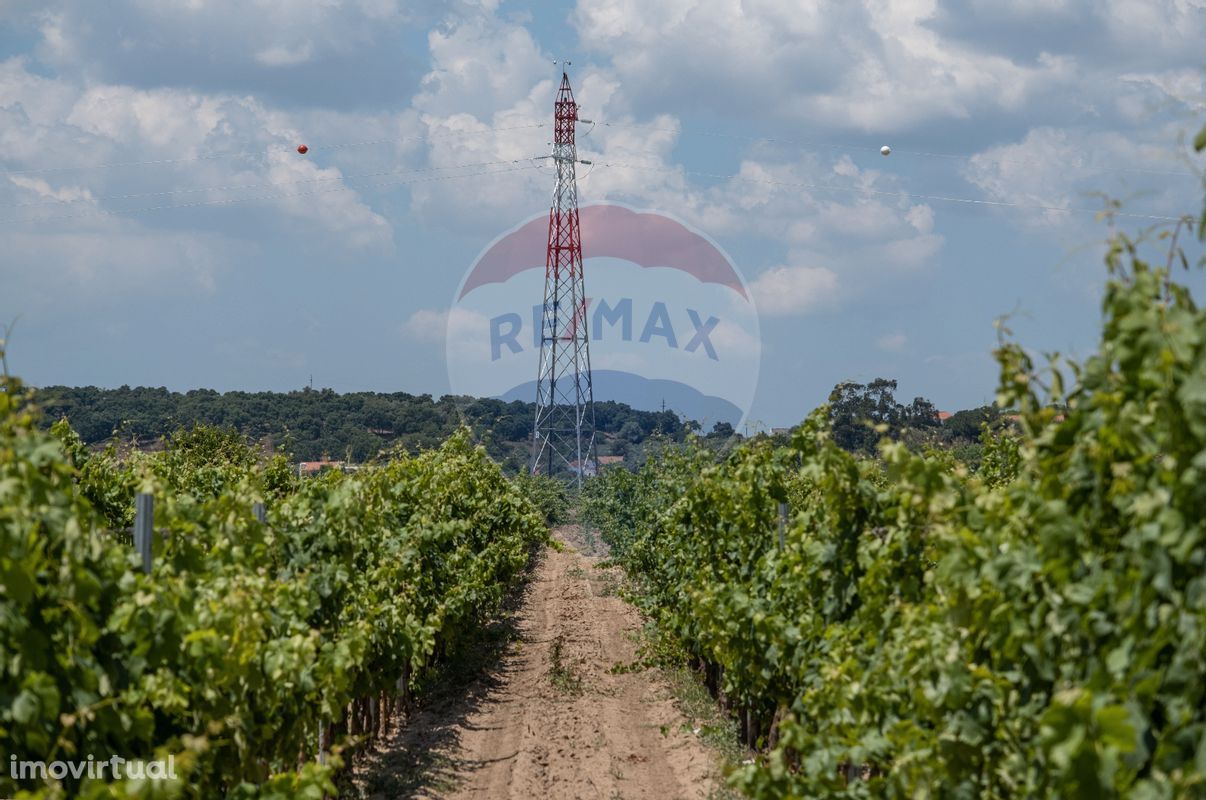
1082 87
78 153
786 291
865 65
854 222
485 101
193 140
479 66
489 82
886 65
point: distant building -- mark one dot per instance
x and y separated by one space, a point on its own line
943 416
305 468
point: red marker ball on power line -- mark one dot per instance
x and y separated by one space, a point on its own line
301 148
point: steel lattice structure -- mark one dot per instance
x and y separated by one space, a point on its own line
563 439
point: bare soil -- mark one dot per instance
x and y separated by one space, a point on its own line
545 715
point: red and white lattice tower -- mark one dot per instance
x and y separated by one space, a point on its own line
563 441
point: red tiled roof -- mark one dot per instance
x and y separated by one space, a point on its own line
310 467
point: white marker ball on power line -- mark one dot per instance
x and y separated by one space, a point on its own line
885 150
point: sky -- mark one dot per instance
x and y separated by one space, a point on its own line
158 227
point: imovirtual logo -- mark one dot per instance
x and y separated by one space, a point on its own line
669 316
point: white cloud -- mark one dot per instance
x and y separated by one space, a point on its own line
185 136
321 197
921 217
55 41
481 65
864 238
870 65
490 73
426 325
161 118
784 291
1167 27
910 253
1144 93
734 340
1119 68
459 329
1055 168
115 149
41 188
886 65
486 73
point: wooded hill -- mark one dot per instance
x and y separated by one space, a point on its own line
310 424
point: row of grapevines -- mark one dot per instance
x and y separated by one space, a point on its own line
1037 629
247 637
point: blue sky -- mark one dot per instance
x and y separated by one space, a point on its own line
271 267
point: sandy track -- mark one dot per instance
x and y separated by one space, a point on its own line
550 719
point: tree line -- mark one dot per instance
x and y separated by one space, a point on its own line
309 424
312 423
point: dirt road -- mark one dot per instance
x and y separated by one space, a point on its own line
550 719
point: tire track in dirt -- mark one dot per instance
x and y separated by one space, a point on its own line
550 719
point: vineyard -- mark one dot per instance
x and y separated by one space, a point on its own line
1036 628
258 656
899 625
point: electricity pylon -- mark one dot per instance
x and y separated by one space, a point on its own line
563 439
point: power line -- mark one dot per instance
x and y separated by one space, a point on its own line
613 164
269 148
277 196
239 187
884 192
895 151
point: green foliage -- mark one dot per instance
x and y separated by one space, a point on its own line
966 425
549 495
204 461
860 415
311 423
99 478
245 636
1000 458
1033 629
